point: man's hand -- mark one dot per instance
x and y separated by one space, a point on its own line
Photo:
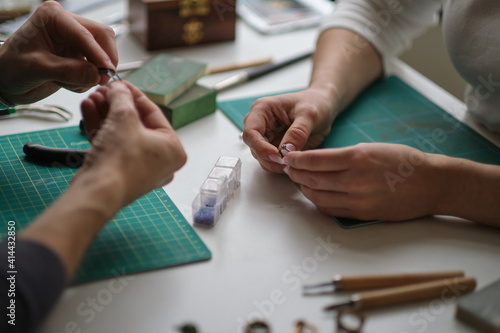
131 139
55 49
134 150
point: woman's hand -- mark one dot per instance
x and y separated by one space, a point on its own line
301 119
370 181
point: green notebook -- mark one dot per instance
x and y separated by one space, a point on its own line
195 103
165 77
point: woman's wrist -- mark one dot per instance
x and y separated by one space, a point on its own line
435 182
330 93
465 189
329 89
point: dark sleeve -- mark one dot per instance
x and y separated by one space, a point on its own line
38 277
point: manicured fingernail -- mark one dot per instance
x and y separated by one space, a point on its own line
286 161
286 169
276 159
286 148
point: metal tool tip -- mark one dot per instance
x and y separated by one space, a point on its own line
318 289
319 285
338 305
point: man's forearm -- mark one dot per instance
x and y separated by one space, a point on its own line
344 64
71 223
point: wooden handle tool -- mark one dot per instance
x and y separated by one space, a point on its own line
441 288
212 70
365 282
239 65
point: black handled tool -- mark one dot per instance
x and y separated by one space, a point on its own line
258 71
68 157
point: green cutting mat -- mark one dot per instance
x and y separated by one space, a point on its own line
392 111
148 234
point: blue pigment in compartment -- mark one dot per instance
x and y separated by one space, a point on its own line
205 215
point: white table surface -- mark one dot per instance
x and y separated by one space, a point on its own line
270 240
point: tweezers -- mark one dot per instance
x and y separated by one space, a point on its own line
35 109
48 109
111 73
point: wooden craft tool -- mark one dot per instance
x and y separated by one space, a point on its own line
129 66
239 65
364 282
259 71
403 294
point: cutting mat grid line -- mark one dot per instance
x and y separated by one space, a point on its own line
393 112
148 234
396 119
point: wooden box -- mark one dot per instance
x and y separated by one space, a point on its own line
160 24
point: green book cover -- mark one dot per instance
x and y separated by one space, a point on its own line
197 102
165 77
